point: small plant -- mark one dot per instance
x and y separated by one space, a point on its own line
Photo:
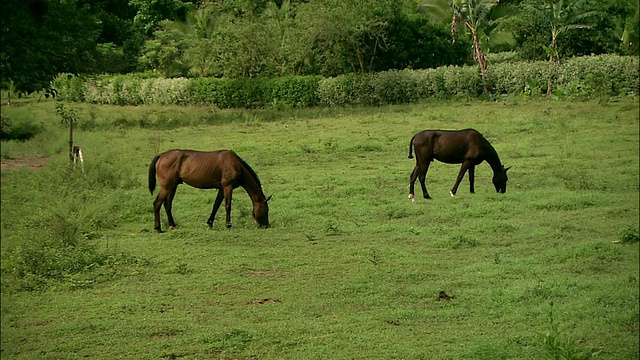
558 347
374 257
463 242
532 88
181 268
629 235
68 116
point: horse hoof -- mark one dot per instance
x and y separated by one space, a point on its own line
452 194
172 227
228 226
412 198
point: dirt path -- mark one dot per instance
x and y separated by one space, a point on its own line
26 163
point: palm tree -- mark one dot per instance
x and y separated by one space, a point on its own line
560 17
473 14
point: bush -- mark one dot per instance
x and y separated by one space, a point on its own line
18 129
338 91
395 87
602 75
293 91
69 87
516 77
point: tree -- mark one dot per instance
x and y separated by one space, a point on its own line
279 22
202 53
165 52
413 41
473 14
150 13
560 17
341 36
41 38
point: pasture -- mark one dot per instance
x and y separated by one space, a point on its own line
350 268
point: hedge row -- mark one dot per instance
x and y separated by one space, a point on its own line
601 75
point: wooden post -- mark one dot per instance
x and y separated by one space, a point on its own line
71 152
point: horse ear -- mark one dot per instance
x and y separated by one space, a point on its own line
269 198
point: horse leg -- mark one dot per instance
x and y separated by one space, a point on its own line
157 204
472 175
216 206
228 191
412 181
167 207
465 166
422 176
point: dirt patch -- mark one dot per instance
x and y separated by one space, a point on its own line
24 163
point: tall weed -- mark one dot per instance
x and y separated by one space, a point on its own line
53 243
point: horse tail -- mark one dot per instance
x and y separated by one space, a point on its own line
152 174
411 148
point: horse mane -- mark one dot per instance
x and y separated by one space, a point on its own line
493 159
251 171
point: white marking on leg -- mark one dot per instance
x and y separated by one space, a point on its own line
81 159
412 198
452 194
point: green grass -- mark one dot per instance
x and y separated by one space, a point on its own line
350 268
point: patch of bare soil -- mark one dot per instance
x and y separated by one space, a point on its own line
24 163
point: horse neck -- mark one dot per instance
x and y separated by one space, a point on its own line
253 188
491 156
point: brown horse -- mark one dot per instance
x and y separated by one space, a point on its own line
467 147
223 170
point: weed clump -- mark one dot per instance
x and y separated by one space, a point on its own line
559 347
59 254
630 235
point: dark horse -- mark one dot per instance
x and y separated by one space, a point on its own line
467 147
223 170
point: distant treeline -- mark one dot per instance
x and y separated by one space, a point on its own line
277 38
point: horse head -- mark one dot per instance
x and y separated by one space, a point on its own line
261 212
500 180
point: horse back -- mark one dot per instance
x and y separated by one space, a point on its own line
200 169
451 146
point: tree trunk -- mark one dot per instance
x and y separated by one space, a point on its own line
554 59
480 59
71 140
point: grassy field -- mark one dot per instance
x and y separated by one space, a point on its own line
350 268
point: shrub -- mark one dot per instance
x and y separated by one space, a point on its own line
608 75
337 91
462 81
69 87
394 87
601 75
293 91
18 129
515 78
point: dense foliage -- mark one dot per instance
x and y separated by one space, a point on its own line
249 39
